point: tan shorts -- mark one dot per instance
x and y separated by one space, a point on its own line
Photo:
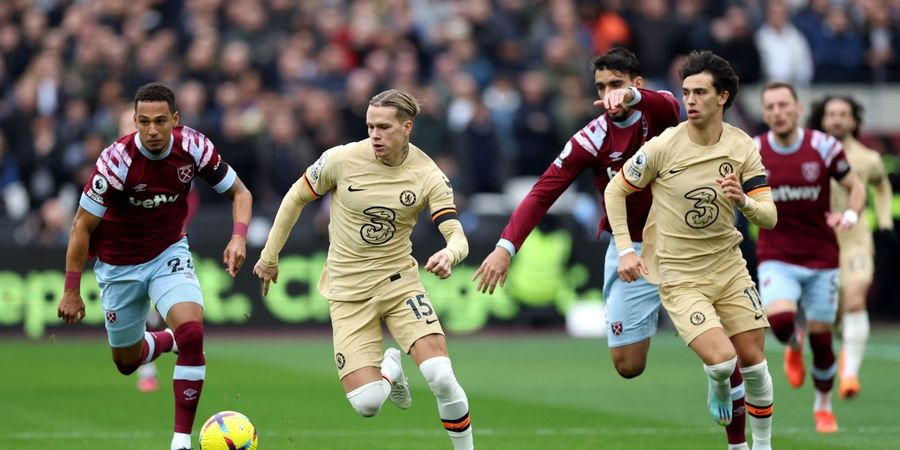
857 259
401 302
697 306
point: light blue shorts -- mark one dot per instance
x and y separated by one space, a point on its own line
632 309
126 291
815 289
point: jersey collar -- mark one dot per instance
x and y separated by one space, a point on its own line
148 153
785 150
631 120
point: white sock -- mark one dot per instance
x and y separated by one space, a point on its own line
147 371
759 397
823 401
453 405
368 398
719 375
741 446
389 370
856 333
181 441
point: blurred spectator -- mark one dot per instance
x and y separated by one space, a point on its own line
732 38
610 28
535 127
882 41
837 49
785 52
276 82
657 37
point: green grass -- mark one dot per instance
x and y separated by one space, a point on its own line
525 392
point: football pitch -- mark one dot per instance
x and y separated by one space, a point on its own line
526 391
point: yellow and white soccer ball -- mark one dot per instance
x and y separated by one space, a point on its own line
228 430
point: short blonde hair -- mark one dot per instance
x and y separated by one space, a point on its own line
407 105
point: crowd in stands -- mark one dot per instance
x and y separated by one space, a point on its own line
503 83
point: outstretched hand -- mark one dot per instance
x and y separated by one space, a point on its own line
266 274
614 100
493 270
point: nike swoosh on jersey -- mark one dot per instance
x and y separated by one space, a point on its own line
430 321
676 171
352 189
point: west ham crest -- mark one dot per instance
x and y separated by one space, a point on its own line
810 171
616 328
111 316
186 173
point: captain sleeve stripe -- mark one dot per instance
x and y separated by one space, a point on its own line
628 185
759 189
308 185
841 175
226 182
755 182
443 215
91 206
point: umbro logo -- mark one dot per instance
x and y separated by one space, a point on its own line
190 394
352 189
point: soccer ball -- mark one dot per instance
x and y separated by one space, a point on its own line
228 430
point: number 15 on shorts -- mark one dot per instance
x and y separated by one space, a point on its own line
420 306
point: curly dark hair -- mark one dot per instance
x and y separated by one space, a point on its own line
817 112
155 92
619 60
724 77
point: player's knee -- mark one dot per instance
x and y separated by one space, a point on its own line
629 369
782 325
126 367
189 337
440 377
367 399
365 409
721 371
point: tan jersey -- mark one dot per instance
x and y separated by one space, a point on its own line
867 164
373 210
694 218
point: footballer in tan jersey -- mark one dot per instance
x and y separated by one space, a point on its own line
378 187
698 172
841 117
373 210
857 248
696 238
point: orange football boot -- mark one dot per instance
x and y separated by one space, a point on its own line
793 361
849 387
825 422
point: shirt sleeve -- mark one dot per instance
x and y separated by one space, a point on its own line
440 199
106 181
570 163
661 106
210 165
753 176
641 168
321 177
833 154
